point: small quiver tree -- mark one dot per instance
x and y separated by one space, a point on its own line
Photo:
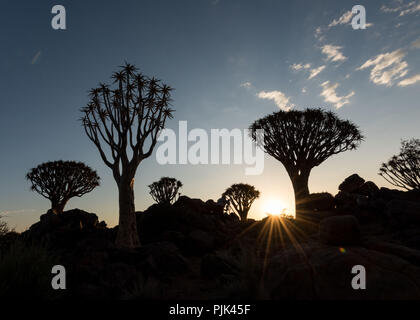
240 197
59 181
165 190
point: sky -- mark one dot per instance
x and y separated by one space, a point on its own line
231 62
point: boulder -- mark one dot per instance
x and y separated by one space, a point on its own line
323 201
162 259
215 265
369 189
325 272
340 230
75 219
351 183
401 212
201 242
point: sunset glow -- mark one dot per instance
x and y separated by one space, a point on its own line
275 207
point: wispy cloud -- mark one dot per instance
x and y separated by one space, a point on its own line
416 43
7 212
386 67
279 98
333 53
307 66
246 85
36 57
315 72
344 19
404 8
330 95
409 81
318 34
300 66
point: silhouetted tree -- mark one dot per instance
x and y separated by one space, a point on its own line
4 227
59 181
240 197
165 190
128 119
302 140
403 170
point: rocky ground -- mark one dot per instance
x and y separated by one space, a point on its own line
192 251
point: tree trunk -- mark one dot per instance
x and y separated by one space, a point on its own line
127 236
58 207
300 187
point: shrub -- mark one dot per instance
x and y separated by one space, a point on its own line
25 271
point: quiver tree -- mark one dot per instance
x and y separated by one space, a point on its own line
123 121
302 140
240 197
59 181
403 170
165 190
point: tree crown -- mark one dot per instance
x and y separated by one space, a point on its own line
240 197
62 180
165 190
305 138
403 170
125 116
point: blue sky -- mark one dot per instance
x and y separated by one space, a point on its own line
230 62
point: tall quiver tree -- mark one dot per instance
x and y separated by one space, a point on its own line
302 140
127 120
59 181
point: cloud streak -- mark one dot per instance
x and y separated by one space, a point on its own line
386 68
409 81
246 85
315 72
333 53
36 57
330 95
403 9
279 98
344 19
300 66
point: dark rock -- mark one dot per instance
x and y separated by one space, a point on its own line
402 212
201 242
68 220
340 230
162 259
324 272
215 265
351 183
369 189
120 276
176 237
345 200
323 201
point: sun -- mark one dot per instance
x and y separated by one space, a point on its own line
274 207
